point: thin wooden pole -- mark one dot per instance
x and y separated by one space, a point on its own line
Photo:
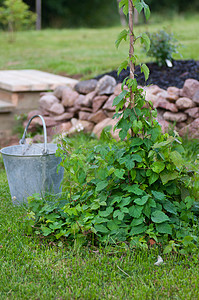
38 12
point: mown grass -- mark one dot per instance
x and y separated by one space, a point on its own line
89 52
36 268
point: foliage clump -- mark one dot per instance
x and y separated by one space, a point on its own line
163 46
15 15
133 190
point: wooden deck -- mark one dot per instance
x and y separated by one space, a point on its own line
20 92
32 80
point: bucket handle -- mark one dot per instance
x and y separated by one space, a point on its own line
23 141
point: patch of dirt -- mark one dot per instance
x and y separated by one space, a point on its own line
162 76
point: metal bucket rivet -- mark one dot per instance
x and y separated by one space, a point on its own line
32 168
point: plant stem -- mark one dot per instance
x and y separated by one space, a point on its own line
131 50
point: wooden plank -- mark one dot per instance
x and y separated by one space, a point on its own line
6 107
32 80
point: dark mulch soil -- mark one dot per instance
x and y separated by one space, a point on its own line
163 76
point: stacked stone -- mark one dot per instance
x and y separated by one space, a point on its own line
88 107
177 106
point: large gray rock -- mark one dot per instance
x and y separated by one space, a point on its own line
106 85
69 97
89 99
65 116
193 112
196 97
109 104
57 109
59 129
98 101
59 91
191 130
46 101
97 116
80 100
191 86
106 122
173 90
84 115
86 86
163 103
175 117
184 103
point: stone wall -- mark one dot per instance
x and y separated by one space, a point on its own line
88 107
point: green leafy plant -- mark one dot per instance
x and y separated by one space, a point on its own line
135 190
163 46
15 16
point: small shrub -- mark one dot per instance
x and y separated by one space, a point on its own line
15 16
163 46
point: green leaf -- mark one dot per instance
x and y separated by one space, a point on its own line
107 212
134 189
112 225
122 36
98 220
189 202
167 176
135 211
152 203
177 159
118 214
145 70
169 206
133 174
158 195
146 40
125 6
137 142
46 231
120 97
129 163
137 229
147 210
125 201
159 217
133 84
101 185
141 201
101 228
138 221
154 177
136 157
122 66
158 166
119 173
164 228
146 10
138 5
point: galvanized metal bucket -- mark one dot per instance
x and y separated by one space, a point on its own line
32 168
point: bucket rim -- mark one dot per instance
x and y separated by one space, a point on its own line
25 155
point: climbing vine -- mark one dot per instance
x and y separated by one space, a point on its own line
133 190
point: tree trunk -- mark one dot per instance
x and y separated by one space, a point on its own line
122 16
135 16
38 12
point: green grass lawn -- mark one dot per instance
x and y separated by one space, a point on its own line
35 268
89 52
31 268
